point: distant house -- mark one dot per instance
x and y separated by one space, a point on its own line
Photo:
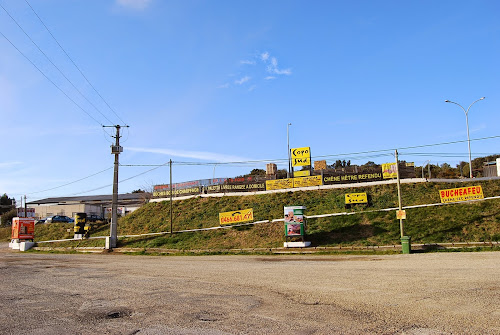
92 204
491 169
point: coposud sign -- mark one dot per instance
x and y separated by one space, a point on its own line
301 156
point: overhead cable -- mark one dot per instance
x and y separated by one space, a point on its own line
52 82
67 55
73 182
57 68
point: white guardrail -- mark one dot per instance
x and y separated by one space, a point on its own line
279 220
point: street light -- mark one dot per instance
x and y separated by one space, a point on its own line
288 144
467 121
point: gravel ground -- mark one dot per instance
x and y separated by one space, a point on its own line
439 293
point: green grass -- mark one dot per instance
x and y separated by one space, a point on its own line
467 222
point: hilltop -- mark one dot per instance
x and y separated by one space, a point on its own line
464 222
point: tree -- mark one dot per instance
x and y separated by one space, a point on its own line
6 204
258 172
370 164
281 174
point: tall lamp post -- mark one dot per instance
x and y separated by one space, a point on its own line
288 145
467 121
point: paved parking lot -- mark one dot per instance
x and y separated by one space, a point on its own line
440 293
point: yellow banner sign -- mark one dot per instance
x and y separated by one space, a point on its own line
389 170
307 181
301 156
279 184
304 173
234 217
461 194
356 198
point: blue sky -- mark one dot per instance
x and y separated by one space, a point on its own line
218 81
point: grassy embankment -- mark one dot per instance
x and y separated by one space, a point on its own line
467 222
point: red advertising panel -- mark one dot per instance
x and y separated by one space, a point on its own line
23 228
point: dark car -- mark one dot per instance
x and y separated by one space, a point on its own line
59 218
95 218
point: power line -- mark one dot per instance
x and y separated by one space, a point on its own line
50 80
51 62
446 154
60 46
73 182
375 153
121 181
157 166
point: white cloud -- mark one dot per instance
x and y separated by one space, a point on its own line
201 155
285 71
134 4
242 80
273 68
9 164
266 68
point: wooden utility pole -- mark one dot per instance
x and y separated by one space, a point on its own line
115 150
399 194
171 204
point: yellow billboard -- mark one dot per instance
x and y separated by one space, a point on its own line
461 194
389 170
242 215
279 184
301 156
303 173
308 181
356 198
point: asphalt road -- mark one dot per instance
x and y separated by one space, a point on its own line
440 293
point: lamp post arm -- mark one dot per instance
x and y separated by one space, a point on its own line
459 105
472 104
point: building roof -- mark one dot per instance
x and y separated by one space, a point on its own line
93 199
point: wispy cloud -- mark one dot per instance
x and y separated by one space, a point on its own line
262 66
134 4
247 62
9 164
273 68
242 80
201 155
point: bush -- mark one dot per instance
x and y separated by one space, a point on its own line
7 217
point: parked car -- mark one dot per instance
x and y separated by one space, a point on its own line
59 218
40 220
95 218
